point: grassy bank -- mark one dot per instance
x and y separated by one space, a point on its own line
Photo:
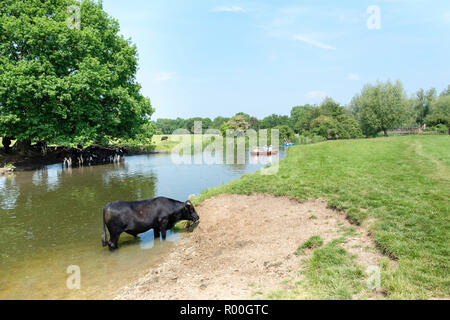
399 186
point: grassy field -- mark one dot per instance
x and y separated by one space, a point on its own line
399 186
163 146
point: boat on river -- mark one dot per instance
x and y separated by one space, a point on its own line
263 151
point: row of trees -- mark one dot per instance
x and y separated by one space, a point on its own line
240 120
378 108
386 106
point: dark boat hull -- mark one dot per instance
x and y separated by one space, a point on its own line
263 153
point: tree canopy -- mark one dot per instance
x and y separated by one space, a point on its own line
382 107
273 120
66 84
301 117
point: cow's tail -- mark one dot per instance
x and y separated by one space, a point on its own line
104 238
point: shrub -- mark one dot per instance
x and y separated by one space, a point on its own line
441 129
341 127
326 127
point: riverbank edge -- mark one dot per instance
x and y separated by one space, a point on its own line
279 291
23 163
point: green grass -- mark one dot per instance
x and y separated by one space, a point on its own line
163 146
185 141
311 243
332 273
400 183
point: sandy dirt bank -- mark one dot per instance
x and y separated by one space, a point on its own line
244 247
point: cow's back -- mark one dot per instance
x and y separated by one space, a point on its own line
118 211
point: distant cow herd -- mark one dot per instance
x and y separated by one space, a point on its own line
93 155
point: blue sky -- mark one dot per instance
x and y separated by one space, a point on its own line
208 58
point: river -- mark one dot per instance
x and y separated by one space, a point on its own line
51 218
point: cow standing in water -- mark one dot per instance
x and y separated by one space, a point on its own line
160 214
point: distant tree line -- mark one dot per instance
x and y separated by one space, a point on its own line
377 108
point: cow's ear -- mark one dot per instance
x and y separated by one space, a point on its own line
188 204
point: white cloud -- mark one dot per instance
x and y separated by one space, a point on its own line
164 76
316 95
316 43
353 76
228 9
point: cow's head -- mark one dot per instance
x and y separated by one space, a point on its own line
189 212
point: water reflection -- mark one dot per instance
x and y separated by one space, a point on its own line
9 191
147 240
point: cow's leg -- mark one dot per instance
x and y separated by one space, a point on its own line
156 233
163 233
163 227
113 240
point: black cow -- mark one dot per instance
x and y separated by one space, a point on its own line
160 214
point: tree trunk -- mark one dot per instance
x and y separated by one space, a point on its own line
385 132
23 147
6 141
42 147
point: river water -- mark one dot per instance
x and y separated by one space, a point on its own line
51 219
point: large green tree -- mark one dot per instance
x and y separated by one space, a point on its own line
382 107
65 82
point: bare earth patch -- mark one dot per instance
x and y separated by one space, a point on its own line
245 246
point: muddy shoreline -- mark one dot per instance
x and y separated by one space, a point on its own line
245 248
